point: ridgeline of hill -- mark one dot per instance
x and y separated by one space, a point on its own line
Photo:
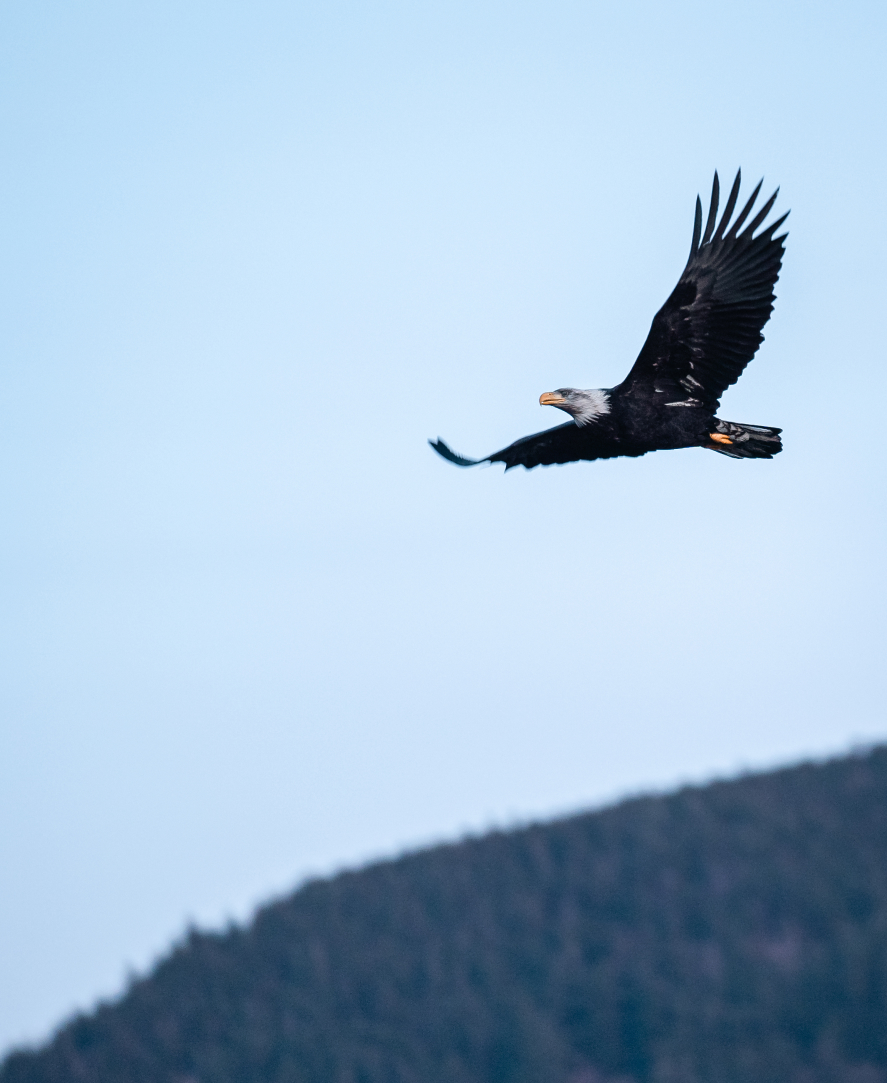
733 933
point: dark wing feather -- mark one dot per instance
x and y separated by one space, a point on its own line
447 453
563 444
710 327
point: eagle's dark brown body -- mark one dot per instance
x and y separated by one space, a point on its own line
699 343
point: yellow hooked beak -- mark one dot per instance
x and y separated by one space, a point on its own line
551 398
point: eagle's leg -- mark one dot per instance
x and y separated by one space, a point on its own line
743 441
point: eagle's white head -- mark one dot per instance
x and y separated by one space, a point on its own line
582 406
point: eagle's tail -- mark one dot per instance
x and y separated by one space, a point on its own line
744 441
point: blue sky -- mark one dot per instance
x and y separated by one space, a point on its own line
253 255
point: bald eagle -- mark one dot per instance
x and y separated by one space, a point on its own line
700 341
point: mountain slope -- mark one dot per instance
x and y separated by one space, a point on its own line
734 933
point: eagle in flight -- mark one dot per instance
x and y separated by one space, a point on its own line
700 341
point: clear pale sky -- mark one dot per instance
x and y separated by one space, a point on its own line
254 254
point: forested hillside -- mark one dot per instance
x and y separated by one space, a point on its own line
734 933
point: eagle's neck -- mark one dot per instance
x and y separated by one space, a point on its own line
588 406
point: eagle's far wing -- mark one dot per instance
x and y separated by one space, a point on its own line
563 444
710 327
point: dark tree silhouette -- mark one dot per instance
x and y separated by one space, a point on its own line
734 933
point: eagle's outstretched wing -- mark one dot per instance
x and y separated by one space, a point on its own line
563 444
710 328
